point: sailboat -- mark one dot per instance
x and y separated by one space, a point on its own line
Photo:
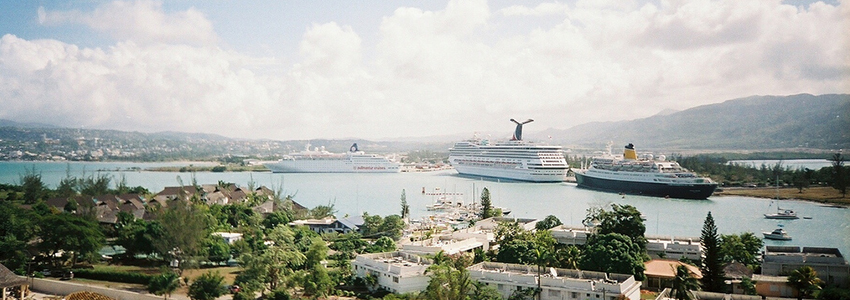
782 214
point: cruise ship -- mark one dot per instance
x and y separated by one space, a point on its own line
650 177
319 160
514 159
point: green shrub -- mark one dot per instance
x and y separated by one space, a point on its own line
113 276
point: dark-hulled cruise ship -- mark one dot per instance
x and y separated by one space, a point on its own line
650 177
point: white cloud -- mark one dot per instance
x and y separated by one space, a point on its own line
141 21
431 72
542 9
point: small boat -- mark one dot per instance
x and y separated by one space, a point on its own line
778 234
782 214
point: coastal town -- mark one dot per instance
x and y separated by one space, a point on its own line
504 256
424 150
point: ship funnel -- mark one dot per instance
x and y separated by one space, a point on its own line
353 148
629 152
518 132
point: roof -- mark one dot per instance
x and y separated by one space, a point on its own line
352 222
737 270
9 279
666 268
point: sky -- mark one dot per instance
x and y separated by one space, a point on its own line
292 70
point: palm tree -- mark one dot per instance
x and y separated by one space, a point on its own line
683 284
805 280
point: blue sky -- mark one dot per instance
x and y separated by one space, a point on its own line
384 69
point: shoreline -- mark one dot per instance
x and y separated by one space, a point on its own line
818 194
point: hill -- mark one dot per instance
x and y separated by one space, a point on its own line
751 123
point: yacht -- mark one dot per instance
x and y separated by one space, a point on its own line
514 159
778 234
648 176
319 160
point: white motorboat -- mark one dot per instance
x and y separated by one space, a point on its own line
778 234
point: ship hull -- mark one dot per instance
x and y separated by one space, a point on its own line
683 191
528 175
331 166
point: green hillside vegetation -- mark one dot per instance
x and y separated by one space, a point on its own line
757 122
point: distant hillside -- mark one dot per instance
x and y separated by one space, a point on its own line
757 122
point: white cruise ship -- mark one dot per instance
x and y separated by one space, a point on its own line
319 160
514 159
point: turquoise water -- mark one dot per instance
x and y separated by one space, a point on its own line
380 194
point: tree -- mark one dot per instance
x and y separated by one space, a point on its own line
217 249
33 186
839 174
448 283
69 233
568 257
392 226
683 284
164 284
748 285
801 179
486 206
548 223
805 280
184 229
317 282
277 217
208 286
625 220
17 228
712 265
743 248
405 208
613 253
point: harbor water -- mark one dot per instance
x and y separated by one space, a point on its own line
380 194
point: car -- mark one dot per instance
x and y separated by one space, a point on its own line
234 289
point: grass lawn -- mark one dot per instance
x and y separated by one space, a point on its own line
229 274
647 295
820 194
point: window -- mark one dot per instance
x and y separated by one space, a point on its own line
554 293
395 279
574 295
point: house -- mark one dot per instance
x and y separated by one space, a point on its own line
660 273
171 193
397 272
330 224
773 286
735 272
556 284
829 264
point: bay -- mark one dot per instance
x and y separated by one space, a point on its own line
379 194
794 164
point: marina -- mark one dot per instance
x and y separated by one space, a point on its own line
380 193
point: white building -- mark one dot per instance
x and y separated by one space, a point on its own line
570 235
448 244
829 264
229 237
397 272
556 284
674 247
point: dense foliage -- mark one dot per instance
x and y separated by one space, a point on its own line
712 264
